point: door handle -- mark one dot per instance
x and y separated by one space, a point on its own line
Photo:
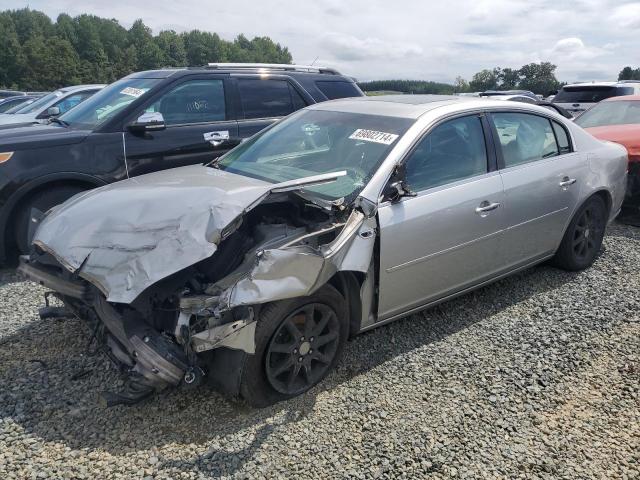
485 207
217 138
566 182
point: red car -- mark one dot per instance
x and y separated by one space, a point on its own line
617 119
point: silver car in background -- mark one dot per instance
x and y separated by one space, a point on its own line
252 271
49 106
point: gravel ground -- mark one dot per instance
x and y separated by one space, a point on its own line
537 376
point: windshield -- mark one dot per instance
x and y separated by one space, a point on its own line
102 106
611 113
40 103
312 142
589 94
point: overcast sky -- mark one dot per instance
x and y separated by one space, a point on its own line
416 39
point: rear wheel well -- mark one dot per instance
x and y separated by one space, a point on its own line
608 201
9 239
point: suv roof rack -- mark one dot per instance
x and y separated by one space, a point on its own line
629 81
276 66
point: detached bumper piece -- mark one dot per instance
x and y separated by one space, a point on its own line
150 360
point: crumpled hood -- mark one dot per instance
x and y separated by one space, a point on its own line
126 236
627 135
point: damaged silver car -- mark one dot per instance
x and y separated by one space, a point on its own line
252 271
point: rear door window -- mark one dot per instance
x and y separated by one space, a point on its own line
524 138
267 98
334 90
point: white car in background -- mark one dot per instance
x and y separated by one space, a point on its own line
49 106
578 97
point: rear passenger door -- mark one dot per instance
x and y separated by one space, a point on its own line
192 109
542 177
265 100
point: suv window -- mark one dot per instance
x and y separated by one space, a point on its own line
524 138
452 151
334 90
268 98
194 101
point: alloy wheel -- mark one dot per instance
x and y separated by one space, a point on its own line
302 349
587 231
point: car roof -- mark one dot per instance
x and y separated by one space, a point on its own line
623 98
404 106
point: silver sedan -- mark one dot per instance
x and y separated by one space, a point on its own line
252 271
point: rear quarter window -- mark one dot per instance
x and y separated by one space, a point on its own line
334 90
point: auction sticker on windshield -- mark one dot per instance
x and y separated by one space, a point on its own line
373 136
134 92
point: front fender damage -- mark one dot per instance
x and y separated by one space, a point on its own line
277 274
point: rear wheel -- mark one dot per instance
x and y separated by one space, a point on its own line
298 342
583 238
41 201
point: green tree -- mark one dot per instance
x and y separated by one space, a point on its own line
484 80
538 77
91 49
172 46
149 54
509 78
460 85
11 55
628 73
50 63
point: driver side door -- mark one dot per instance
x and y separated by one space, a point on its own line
192 109
445 238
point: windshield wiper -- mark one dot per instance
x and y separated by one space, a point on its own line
58 121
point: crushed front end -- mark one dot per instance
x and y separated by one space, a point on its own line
199 322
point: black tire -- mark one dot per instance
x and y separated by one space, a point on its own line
259 385
42 201
583 238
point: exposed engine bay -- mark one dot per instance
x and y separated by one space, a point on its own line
200 321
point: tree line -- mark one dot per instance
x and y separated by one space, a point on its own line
536 77
629 73
39 54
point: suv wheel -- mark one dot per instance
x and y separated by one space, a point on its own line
42 201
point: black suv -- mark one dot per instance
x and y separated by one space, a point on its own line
144 122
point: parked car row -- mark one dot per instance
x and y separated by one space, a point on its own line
243 249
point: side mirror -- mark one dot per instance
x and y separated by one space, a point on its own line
53 111
394 191
148 122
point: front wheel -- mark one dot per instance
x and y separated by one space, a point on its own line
583 238
298 342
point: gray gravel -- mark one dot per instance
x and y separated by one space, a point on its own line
537 376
